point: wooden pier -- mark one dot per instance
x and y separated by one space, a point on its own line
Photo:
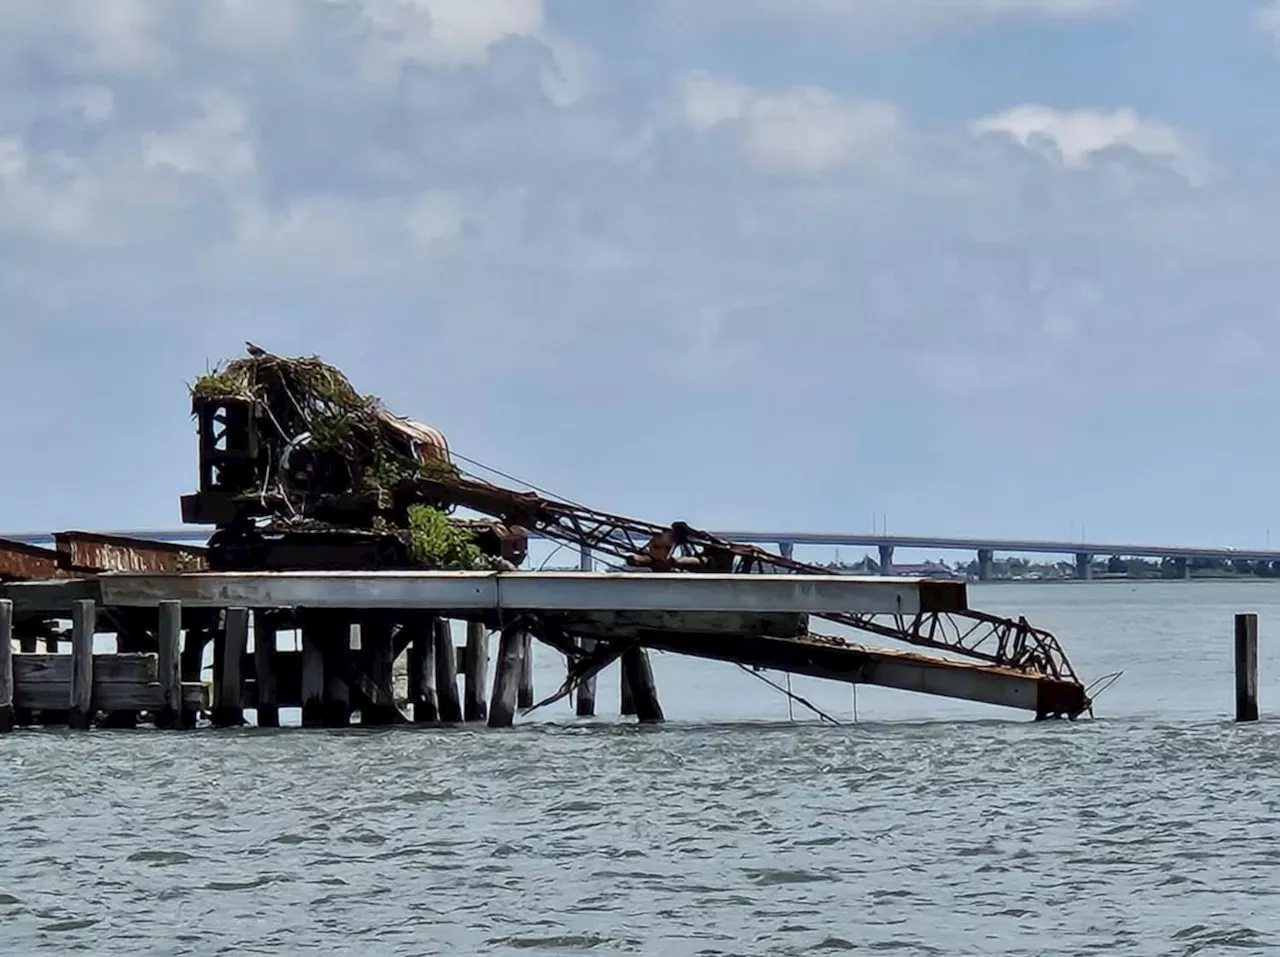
356 629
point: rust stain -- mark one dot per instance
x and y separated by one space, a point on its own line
19 562
112 553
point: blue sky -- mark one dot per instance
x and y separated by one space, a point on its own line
987 267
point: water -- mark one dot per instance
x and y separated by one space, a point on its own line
929 827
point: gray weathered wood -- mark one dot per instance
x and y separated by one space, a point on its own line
264 669
83 624
6 666
1247 667
586 698
312 673
477 669
121 682
446 673
228 689
524 699
644 693
379 708
626 701
169 664
422 673
506 678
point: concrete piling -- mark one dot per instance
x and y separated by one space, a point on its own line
1246 667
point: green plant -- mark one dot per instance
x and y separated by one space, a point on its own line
436 542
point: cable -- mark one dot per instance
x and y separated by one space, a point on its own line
795 697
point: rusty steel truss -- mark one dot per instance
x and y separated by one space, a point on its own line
992 639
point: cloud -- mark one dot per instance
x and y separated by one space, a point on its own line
1268 21
1077 136
803 130
867 19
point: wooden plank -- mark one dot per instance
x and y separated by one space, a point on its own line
1246 667
446 673
169 664
228 688
6 666
266 696
80 687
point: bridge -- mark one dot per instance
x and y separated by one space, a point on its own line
984 548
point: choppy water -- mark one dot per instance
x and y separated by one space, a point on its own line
926 828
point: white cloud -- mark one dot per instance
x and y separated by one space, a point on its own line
215 144
865 19
1268 21
804 130
450 32
1076 136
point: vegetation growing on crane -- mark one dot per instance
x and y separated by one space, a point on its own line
435 542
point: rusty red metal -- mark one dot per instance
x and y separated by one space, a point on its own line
21 562
113 553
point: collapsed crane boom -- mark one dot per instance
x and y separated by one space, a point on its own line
1007 642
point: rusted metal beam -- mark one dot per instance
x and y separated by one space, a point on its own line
114 553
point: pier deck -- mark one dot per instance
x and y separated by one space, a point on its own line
355 626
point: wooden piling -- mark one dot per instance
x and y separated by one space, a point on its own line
447 673
312 673
1247 667
228 687
474 707
84 619
586 701
375 640
635 665
626 700
524 699
506 678
264 669
337 692
168 642
6 666
422 670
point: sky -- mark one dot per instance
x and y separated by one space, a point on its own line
975 267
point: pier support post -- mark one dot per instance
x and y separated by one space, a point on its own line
264 669
644 694
447 673
585 562
506 678
587 690
886 559
786 549
312 672
474 707
1084 566
336 648
1247 667
422 670
84 619
6 666
375 640
1182 568
525 697
228 688
169 664
985 558
626 701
